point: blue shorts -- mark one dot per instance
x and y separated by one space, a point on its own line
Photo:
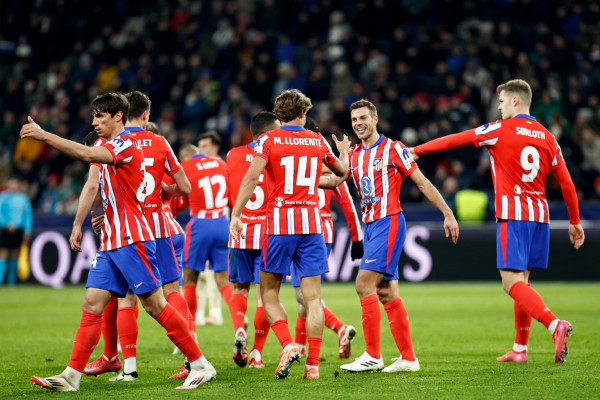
244 265
522 244
296 280
129 267
206 240
178 244
383 241
307 252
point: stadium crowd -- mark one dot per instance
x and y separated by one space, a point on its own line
430 67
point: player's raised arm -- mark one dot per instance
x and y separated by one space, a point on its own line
97 154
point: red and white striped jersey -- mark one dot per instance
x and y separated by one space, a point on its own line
295 158
342 195
122 187
377 173
522 154
209 196
172 224
254 215
160 161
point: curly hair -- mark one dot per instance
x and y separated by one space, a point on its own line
290 104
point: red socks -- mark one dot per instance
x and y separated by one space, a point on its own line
261 329
522 324
331 321
128 331
86 339
532 302
371 321
400 328
178 332
109 328
177 300
238 305
301 331
314 350
282 331
226 293
189 293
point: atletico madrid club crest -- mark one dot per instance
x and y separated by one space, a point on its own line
378 164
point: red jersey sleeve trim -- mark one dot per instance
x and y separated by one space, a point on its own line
569 194
446 143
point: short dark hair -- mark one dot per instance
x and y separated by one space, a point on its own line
364 103
111 103
311 124
90 138
138 103
214 137
261 123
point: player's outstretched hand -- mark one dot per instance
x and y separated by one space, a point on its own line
235 229
32 130
576 235
97 222
342 145
451 227
413 154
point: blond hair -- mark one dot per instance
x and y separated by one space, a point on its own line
517 87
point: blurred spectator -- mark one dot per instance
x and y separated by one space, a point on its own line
16 222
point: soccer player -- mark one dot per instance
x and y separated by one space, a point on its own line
377 166
159 161
245 255
207 290
523 154
206 234
126 258
292 159
342 194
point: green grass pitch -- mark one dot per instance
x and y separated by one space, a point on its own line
458 330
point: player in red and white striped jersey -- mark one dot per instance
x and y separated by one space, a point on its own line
206 234
523 153
291 158
377 166
245 255
342 194
131 261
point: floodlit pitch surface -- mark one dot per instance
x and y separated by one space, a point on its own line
458 331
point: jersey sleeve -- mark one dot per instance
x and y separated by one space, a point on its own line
342 195
172 165
448 142
121 149
400 156
261 148
328 158
561 173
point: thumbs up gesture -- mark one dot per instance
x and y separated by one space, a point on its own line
32 130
